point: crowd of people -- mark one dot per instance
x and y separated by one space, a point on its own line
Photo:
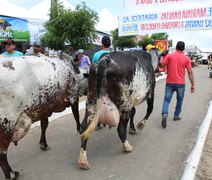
174 64
10 49
36 50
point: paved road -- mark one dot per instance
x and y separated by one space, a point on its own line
159 154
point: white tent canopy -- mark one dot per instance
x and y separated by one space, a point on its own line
10 9
39 11
107 21
42 9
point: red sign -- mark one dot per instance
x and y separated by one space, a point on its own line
162 45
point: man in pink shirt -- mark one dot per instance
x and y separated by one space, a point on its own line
176 64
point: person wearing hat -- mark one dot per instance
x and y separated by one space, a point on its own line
106 43
84 60
10 49
36 50
176 64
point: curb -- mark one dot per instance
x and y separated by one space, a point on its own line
55 116
194 158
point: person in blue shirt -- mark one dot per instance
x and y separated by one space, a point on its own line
10 49
106 43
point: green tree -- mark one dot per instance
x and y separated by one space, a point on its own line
151 39
123 42
145 41
75 28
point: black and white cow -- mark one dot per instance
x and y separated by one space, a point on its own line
31 89
117 83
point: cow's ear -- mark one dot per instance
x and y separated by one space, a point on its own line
85 75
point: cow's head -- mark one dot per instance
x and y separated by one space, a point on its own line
83 82
155 58
82 74
76 67
69 60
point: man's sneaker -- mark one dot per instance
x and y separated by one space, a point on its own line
177 118
163 122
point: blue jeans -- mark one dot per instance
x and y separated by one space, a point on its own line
170 89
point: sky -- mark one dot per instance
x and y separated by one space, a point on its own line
201 39
116 7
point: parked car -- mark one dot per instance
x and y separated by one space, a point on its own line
203 61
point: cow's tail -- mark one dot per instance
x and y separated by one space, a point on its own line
101 89
92 126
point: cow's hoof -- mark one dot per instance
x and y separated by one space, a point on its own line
14 175
83 162
132 131
141 124
84 166
127 147
44 147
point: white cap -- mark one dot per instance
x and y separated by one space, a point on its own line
81 51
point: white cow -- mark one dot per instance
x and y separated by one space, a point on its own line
31 89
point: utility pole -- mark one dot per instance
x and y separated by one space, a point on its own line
53 3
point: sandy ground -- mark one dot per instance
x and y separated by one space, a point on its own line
204 171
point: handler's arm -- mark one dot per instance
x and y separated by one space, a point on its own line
191 78
161 64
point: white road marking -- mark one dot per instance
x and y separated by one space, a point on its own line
194 158
61 114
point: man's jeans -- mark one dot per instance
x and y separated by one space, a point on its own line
170 89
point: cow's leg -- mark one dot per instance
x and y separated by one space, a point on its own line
122 132
83 162
75 110
150 102
8 172
132 129
44 124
